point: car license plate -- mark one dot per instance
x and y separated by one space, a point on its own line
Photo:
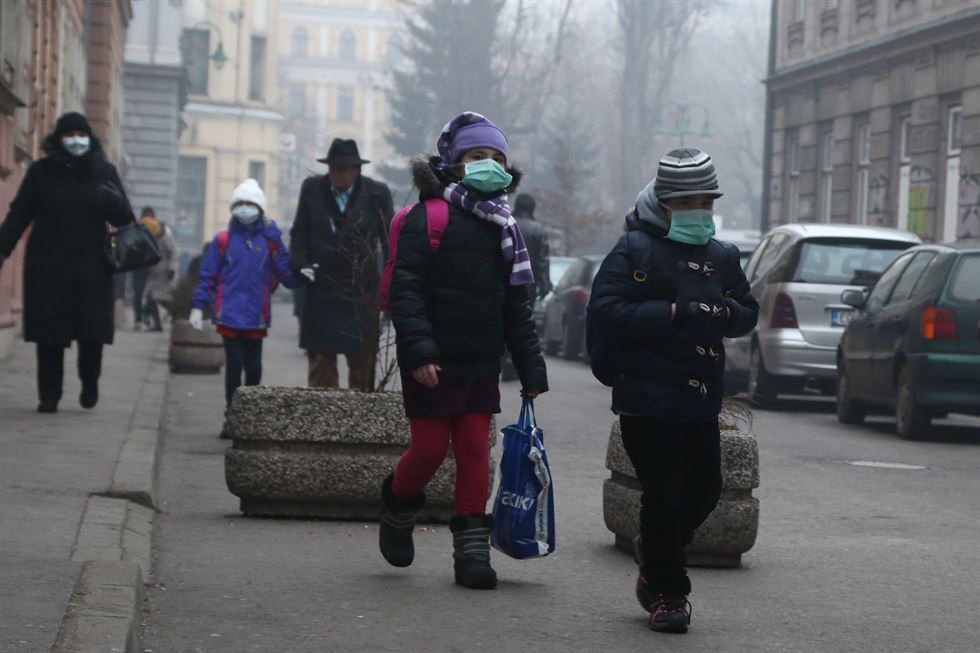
840 318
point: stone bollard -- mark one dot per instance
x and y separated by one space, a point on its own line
731 528
306 452
193 351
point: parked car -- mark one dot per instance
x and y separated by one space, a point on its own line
564 318
798 273
914 345
556 268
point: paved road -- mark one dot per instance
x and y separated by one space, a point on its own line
849 558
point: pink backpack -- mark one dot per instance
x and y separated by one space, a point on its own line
437 217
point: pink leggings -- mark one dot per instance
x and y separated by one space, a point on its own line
469 435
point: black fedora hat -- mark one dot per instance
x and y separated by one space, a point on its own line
343 153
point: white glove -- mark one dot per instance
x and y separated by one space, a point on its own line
309 272
196 319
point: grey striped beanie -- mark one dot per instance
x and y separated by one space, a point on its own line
684 173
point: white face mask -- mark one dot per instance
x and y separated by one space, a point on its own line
246 213
77 145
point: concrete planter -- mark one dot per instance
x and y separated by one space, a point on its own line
193 351
728 532
303 452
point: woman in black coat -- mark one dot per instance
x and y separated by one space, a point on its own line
454 310
67 197
663 299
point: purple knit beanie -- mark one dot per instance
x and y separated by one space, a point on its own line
468 131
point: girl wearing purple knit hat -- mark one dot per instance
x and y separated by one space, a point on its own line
456 304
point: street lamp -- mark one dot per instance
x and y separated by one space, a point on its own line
218 56
682 121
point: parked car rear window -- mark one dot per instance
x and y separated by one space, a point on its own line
966 280
846 262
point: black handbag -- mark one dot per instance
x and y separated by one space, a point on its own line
130 248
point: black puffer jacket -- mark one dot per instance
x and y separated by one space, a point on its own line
536 239
668 368
455 307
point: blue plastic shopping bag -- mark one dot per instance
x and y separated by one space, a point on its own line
524 510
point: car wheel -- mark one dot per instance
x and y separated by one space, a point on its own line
911 418
849 411
570 343
762 386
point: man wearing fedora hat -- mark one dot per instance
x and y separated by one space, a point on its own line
341 219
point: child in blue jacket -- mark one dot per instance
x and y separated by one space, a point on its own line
241 269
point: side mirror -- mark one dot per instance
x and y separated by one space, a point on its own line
854 298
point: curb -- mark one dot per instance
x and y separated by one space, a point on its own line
114 540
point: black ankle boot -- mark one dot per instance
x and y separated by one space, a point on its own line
48 406
397 523
471 551
90 394
643 594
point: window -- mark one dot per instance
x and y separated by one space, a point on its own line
345 105
964 287
955 136
905 126
348 46
395 54
256 79
883 289
826 175
863 173
911 277
296 99
191 186
256 170
196 50
847 262
301 42
793 168
571 276
777 245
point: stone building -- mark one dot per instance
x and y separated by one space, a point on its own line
232 124
56 56
873 115
155 92
335 57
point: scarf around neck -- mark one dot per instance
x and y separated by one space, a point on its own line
497 211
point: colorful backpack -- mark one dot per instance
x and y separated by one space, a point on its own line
437 217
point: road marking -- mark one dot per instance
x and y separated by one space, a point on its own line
882 465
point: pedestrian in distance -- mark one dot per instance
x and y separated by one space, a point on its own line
139 277
538 250
662 301
341 224
241 269
67 197
454 310
161 275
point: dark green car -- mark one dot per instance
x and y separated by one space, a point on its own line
914 347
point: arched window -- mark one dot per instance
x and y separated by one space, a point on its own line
348 46
395 54
301 42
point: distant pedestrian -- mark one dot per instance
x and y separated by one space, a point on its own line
139 277
538 250
67 197
161 275
454 310
661 303
341 225
241 269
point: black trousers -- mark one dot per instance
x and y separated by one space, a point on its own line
242 354
51 367
679 468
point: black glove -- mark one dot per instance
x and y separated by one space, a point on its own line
703 319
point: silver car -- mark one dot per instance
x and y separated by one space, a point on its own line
798 273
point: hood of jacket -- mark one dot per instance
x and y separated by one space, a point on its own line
649 214
430 181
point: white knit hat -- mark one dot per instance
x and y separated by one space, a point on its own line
249 191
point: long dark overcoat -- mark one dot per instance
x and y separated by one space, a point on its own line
340 310
68 290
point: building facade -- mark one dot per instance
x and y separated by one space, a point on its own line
873 115
232 124
57 56
155 93
335 58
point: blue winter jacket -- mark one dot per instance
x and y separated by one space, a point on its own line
238 283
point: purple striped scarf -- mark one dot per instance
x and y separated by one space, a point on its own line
497 211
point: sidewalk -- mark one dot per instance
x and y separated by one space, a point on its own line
52 528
